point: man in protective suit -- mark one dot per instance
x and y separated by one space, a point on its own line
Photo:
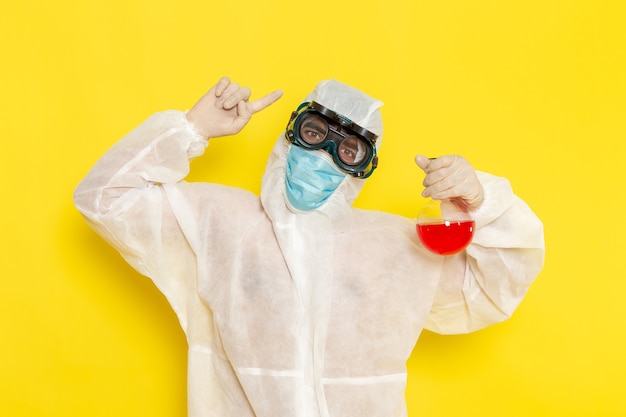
296 303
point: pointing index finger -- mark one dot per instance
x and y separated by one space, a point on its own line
265 101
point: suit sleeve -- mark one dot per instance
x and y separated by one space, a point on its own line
123 199
485 284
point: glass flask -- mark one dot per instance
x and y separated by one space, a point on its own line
443 228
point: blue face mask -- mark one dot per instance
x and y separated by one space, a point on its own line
310 178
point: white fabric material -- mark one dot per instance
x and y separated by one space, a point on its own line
299 314
306 239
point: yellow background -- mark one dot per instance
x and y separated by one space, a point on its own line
531 90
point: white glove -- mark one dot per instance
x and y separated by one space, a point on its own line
225 110
451 177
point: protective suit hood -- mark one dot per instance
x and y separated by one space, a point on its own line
347 101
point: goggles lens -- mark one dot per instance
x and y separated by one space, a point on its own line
311 129
350 149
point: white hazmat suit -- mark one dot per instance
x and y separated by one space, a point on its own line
299 314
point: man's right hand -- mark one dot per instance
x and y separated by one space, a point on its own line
225 110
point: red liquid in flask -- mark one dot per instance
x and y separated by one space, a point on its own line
447 237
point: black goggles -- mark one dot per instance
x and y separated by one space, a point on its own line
352 147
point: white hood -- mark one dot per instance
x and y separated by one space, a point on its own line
350 103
